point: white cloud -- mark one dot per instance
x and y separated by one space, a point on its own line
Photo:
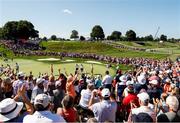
67 11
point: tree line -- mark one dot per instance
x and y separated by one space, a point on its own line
23 29
14 30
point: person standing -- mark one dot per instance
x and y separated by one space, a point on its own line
107 80
38 89
104 110
144 107
42 112
17 68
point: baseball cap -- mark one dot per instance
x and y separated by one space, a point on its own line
42 99
143 96
105 92
21 74
40 80
58 83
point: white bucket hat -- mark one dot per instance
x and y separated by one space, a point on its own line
9 109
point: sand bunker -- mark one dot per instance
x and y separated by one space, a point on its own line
68 60
48 59
55 59
93 62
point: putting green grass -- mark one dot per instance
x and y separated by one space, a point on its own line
44 67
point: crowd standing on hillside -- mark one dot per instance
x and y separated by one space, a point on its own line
148 93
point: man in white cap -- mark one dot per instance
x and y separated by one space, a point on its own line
38 89
18 83
42 113
104 110
144 108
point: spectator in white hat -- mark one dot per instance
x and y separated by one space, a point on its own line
167 86
107 80
104 110
38 89
171 115
42 113
153 90
141 83
9 110
120 86
59 94
18 83
144 108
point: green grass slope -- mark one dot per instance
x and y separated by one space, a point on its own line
98 48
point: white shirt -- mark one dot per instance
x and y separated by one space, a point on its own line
85 97
43 117
107 79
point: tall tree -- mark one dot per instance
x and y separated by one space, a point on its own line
10 30
53 37
44 38
19 30
131 35
163 37
97 33
116 35
82 38
148 38
74 34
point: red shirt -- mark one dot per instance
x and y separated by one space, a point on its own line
130 98
70 115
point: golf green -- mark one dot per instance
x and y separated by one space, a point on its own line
42 67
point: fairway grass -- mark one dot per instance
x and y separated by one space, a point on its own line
44 67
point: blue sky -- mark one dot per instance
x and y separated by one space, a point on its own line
60 17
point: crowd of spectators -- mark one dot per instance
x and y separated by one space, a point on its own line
148 93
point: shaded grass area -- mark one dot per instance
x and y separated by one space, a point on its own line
98 48
6 52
